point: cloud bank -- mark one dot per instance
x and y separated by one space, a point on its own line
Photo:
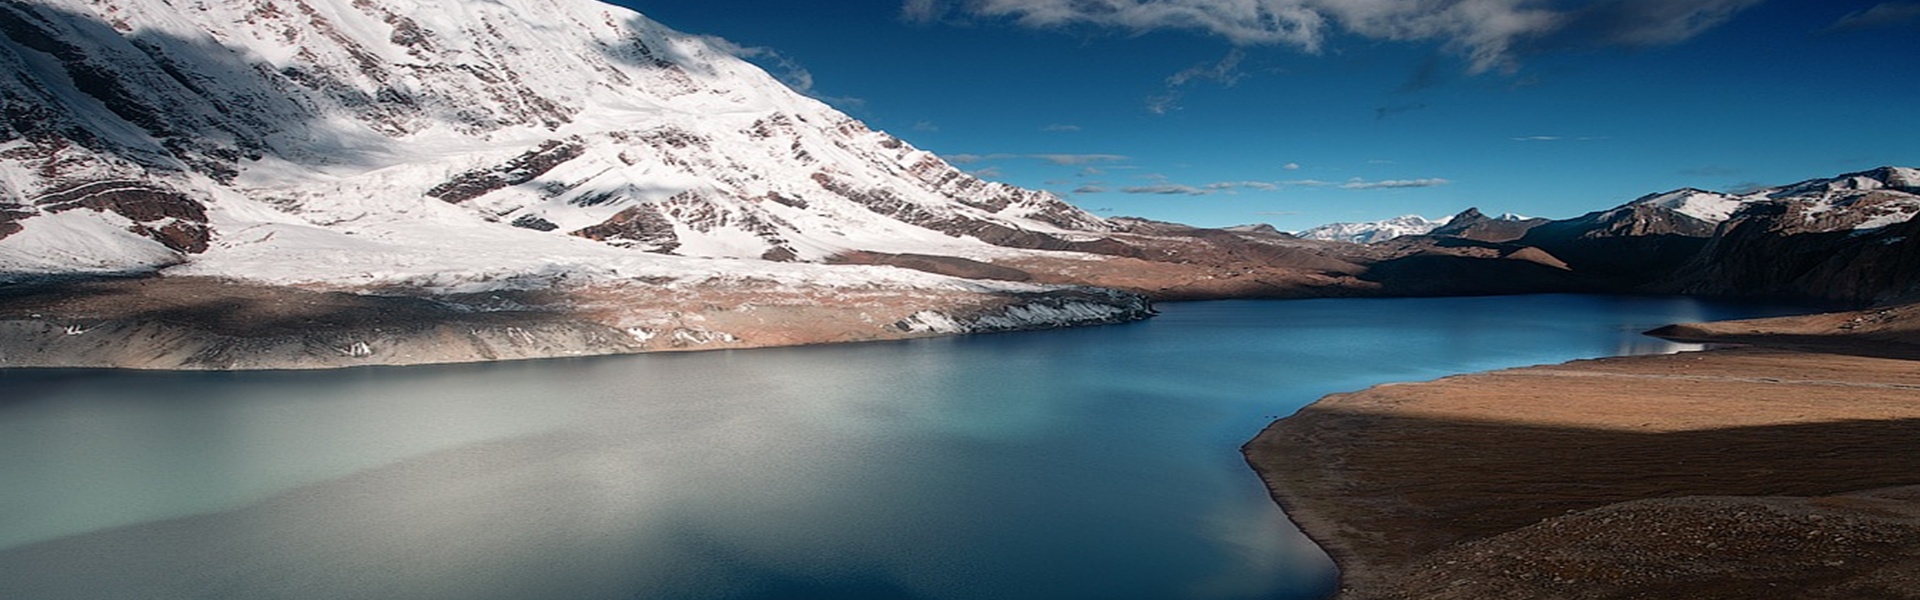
1491 34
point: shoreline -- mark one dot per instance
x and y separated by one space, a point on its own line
205 324
1473 486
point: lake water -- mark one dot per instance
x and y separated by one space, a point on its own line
1097 463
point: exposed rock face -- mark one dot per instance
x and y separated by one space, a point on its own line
640 227
164 215
1473 225
1779 250
1844 238
523 168
1630 244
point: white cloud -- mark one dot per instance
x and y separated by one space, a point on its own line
964 159
1292 166
1166 189
1557 138
790 72
925 126
920 11
1060 128
1265 186
1362 184
786 69
1490 33
1226 72
1077 159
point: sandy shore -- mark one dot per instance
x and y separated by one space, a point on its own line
1737 473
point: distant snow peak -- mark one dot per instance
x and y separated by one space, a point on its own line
1373 231
1856 201
1711 207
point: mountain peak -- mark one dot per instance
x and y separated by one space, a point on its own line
425 123
1372 231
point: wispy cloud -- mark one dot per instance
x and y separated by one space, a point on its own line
1557 138
1090 189
1078 159
1643 23
1387 111
1491 34
782 67
1292 166
1060 128
925 126
1166 189
1226 72
1885 15
1228 186
920 11
1362 184
987 173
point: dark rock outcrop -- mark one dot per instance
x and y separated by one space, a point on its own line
521 169
1775 250
164 215
1625 247
642 227
1473 225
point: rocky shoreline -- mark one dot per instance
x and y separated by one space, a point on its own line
198 323
1785 465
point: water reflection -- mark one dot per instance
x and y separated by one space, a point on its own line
1095 463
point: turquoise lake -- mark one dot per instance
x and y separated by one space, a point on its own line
1095 463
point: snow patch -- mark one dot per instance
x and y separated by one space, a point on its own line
1374 231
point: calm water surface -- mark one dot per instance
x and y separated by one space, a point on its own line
1096 463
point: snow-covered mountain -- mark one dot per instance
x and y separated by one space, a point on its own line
1854 201
400 141
521 158
1372 231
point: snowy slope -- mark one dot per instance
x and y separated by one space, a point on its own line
450 142
1854 201
1373 231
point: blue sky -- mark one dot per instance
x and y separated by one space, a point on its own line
1301 112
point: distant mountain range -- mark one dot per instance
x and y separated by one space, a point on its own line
485 167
